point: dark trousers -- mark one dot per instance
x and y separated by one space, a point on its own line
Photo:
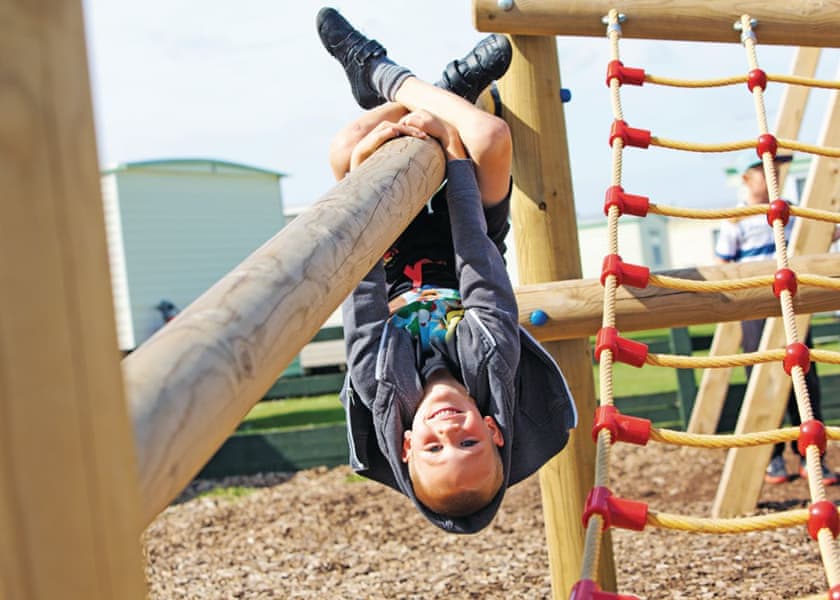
751 331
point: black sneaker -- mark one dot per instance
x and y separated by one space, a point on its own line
485 63
354 51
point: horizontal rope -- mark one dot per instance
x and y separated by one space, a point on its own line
695 83
716 441
804 81
780 520
736 79
829 357
697 147
707 213
819 281
734 212
678 361
694 285
810 149
742 145
815 214
732 440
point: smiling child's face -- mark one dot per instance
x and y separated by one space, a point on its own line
451 446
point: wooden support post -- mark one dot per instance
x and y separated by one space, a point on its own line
727 340
545 231
788 24
191 383
714 384
768 387
69 503
574 308
680 343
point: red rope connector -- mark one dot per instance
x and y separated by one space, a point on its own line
834 592
626 203
622 428
811 433
628 75
784 279
586 589
623 350
766 143
797 354
624 273
616 512
821 515
757 78
638 138
779 209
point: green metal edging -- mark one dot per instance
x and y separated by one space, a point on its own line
279 451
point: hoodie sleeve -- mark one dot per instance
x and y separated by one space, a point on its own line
483 279
364 314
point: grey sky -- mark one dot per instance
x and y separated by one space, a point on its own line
249 82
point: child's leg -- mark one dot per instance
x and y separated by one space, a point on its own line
345 140
374 78
485 137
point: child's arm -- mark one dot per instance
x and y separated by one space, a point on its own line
364 315
483 279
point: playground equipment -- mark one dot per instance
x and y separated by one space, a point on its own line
76 493
700 21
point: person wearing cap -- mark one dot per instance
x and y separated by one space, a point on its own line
751 239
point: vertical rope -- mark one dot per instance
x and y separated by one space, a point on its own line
813 459
595 528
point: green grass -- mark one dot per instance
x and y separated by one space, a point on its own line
227 493
294 412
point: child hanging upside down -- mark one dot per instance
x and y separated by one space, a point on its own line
448 400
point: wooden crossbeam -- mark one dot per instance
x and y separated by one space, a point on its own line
575 307
785 23
191 383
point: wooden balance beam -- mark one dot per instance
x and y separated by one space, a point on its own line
190 384
789 24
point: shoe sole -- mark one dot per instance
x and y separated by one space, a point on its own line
827 481
775 479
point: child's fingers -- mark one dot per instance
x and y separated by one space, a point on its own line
416 119
388 130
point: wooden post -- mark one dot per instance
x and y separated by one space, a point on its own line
768 387
69 504
727 339
679 342
574 307
789 24
191 383
545 231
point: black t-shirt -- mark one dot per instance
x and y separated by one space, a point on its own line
424 254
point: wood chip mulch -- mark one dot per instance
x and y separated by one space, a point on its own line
327 534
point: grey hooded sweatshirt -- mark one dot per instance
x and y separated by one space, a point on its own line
510 376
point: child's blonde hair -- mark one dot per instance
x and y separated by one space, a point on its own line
457 502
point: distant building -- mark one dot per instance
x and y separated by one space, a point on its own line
175 227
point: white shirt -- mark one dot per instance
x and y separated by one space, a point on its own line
748 239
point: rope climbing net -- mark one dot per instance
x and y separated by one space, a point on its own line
603 509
